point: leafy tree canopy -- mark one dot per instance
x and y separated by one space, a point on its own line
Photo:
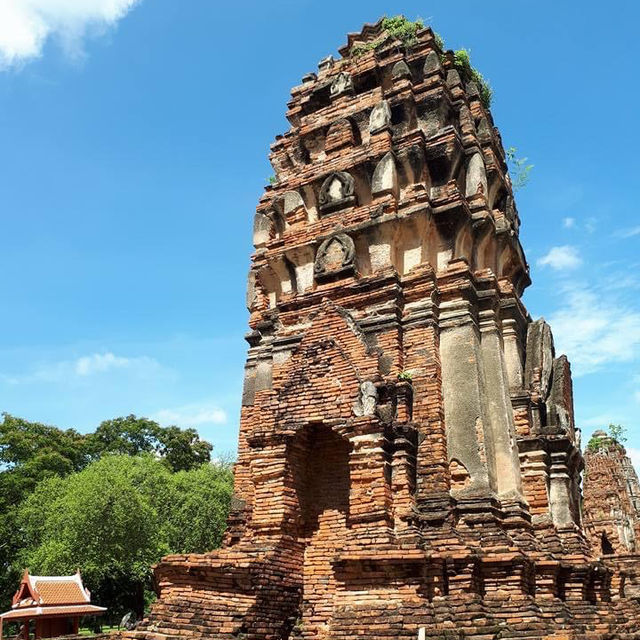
181 449
31 452
119 516
616 438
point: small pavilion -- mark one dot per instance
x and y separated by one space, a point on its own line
54 604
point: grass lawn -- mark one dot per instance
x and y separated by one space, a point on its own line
85 631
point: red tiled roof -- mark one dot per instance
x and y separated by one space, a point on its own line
61 591
36 612
50 591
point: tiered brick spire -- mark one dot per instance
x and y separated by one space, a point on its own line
408 459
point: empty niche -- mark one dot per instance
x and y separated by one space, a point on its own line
309 197
341 134
320 475
464 243
278 279
485 251
440 244
302 260
411 167
400 118
380 239
411 244
363 261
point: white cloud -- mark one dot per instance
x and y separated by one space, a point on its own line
560 258
590 224
594 329
26 25
191 415
84 367
628 233
101 362
568 223
634 454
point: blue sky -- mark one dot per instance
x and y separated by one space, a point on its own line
133 149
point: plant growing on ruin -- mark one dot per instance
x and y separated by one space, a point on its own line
462 62
594 443
405 375
395 28
405 30
618 433
519 170
400 28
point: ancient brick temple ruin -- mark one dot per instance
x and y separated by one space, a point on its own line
408 460
612 510
611 497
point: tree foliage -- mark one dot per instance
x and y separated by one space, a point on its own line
180 449
616 438
32 453
618 433
462 62
117 517
519 170
394 28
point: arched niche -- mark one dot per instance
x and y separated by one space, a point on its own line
291 208
464 243
337 192
278 278
335 257
509 265
411 244
485 252
341 133
302 261
441 237
412 168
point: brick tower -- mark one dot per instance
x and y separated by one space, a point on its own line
408 462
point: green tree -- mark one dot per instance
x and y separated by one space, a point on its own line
199 508
618 433
29 453
180 448
519 170
119 516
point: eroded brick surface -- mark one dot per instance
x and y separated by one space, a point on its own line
611 498
408 461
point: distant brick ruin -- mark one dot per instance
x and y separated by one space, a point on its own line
409 465
611 498
612 510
